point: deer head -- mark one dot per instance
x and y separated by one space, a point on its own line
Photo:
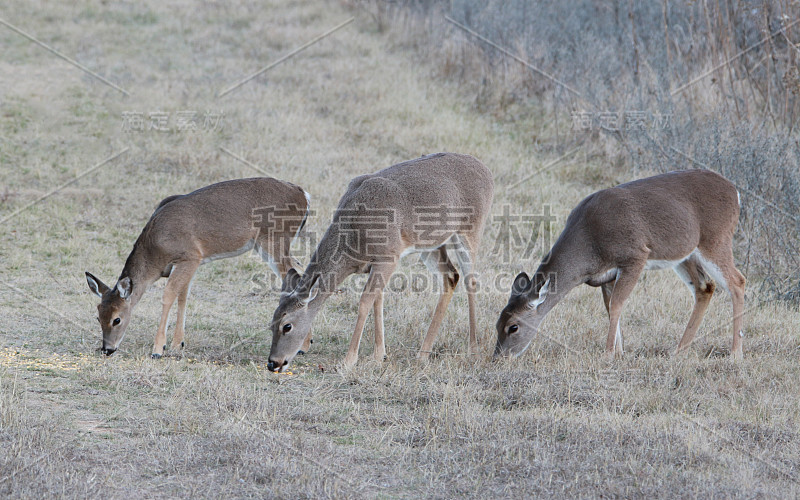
113 311
521 317
292 320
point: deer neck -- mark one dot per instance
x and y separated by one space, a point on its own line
329 268
143 270
560 273
329 276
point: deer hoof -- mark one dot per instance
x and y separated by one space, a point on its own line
182 344
301 352
155 356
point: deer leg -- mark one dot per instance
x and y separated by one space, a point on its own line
183 294
377 313
449 281
465 249
472 284
735 283
623 286
161 334
179 280
282 258
724 272
607 289
703 289
463 255
378 277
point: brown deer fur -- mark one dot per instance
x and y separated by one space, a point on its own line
683 220
458 185
185 231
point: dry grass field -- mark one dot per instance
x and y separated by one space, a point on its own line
214 422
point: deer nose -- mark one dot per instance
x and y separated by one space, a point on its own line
275 366
498 353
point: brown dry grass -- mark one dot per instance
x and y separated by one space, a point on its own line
215 423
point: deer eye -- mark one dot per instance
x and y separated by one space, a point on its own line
115 322
287 328
513 328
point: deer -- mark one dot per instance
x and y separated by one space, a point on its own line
185 231
683 220
423 206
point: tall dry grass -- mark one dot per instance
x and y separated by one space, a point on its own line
640 87
214 422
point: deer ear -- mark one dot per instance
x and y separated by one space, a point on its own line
95 285
535 303
311 294
521 283
290 281
124 287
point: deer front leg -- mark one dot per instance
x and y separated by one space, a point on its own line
623 286
185 282
377 312
177 285
450 279
180 323
378 277
161 334
364 305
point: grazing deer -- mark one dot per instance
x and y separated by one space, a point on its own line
185 231
682 220
422 205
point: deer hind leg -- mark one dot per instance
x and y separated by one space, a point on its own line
464 248
722 268
377 313
621 290
607 288
177 287
438 260
279 256
702 287
378 277
736 282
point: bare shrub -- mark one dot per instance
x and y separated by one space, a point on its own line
716 83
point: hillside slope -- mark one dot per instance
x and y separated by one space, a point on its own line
215 422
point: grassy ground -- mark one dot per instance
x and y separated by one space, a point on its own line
215 423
